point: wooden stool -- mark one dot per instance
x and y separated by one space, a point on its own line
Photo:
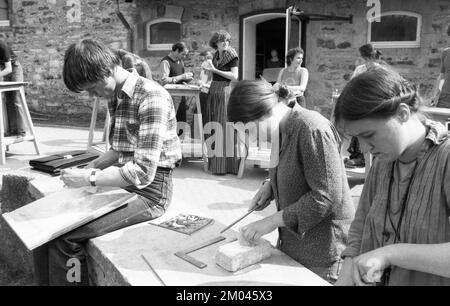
6 141
105 139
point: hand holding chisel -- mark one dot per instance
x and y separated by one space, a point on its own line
260 201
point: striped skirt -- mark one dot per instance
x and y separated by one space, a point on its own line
219 162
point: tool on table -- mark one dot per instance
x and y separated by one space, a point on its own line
153 270
232 224
191 260
184 253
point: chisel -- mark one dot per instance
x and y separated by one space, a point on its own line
232 224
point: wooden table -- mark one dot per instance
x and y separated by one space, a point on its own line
189 145
6 141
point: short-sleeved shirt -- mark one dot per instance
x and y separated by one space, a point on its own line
6 53
227 67
445 69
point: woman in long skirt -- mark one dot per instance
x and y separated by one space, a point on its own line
222 156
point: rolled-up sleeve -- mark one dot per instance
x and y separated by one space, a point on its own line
165 72
323 174
153 115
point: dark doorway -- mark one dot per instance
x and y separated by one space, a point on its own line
269 35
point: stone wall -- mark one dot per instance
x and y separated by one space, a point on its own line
332 46
44 28
200 19
42 31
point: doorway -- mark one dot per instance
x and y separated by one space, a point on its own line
262 31
267 38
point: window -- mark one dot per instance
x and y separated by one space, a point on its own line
163 33
396 30
4 13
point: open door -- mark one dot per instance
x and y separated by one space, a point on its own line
261 30
294 31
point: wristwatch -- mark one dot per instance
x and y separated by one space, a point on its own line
92 178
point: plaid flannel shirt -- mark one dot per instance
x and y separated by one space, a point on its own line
143 130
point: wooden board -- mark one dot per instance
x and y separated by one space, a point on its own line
48 218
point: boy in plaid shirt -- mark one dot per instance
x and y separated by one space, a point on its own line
144 150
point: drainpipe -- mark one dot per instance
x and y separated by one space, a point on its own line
127 26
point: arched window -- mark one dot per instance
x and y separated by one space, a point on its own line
4 13
162 33
396 30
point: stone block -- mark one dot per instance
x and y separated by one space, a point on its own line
13 195
236 256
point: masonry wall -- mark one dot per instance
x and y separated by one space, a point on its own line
332 46
200 19
42 31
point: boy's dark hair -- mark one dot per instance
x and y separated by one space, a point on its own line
179 46
87 62
368 51
292 53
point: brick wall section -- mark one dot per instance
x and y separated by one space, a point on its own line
44 28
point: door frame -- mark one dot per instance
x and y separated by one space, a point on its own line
244 19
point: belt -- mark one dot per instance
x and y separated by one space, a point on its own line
164 170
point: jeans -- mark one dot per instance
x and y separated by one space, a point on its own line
51 260
14 109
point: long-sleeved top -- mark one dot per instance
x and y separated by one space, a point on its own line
143 130
427 211
310 186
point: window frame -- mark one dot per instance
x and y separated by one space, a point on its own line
159 47
7 22
397 44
